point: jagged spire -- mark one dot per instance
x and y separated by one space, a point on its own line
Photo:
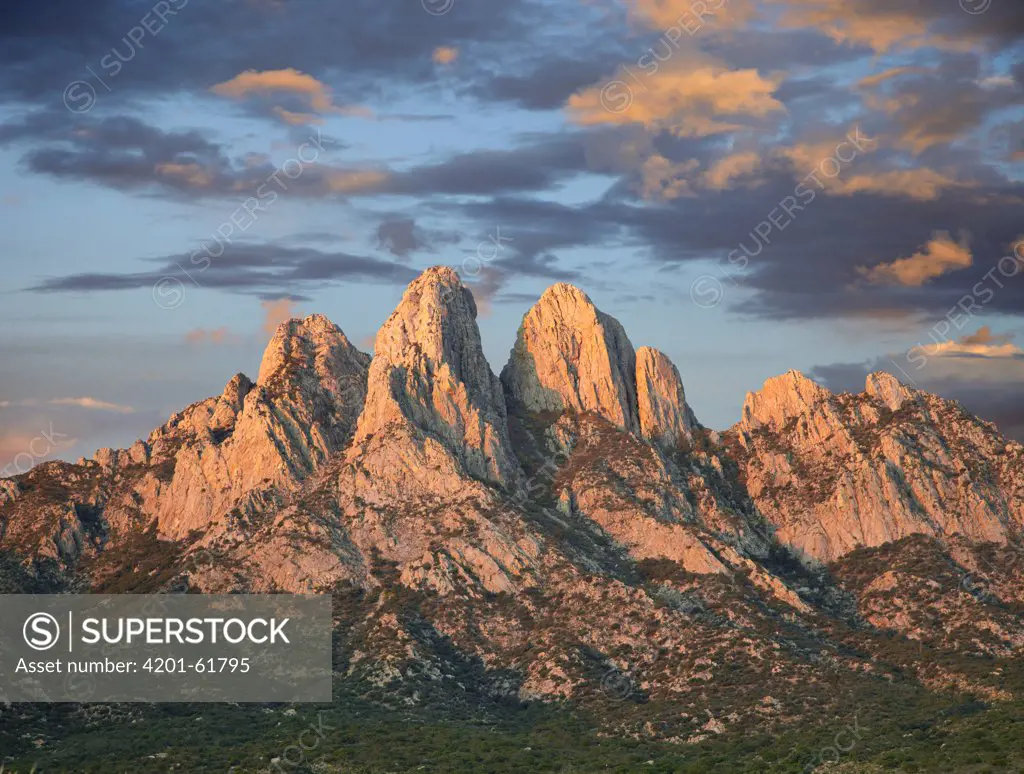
664 415
429 374
569 355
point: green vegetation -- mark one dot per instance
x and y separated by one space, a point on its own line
354 736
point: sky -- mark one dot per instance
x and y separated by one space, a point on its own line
832 186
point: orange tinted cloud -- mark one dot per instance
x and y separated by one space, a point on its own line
922 184
689 101
276 312
349 181
190 173
691 15
297 119
445 55
871 81
660 178
288 80
982 343
92 403
212 336
881 27
728 168
939 256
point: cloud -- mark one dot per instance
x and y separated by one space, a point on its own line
398 236
885 25
861 21
921 183
540 162
690 15
547 84
485 285
666 180
192 174
662 178
316 94
262 269
36 431
296 118
444 55
881 25
215 336
289 80
938 256
981 343
351 181
92 404
870 81
688 101
276 312
362 47
728 168
809 270
938 105
125 153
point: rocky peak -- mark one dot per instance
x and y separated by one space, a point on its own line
235 391
429 374
570 355
782 398
834 472
221 453
888 390
663 413
311 348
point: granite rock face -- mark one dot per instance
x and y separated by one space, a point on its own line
837 472
430 378
262 436
664 415
569 355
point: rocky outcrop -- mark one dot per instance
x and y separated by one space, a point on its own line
218 455
887 390
641 486
569 355
663 413
429 378
837 472
787 397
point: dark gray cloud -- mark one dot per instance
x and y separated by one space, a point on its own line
532 231
536 164
125 153
768 50
942 102
356 46
810 266
402 236
268 270
399 237
547 85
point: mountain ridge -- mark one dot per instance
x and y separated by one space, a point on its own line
565 520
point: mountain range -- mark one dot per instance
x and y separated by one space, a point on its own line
567 530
